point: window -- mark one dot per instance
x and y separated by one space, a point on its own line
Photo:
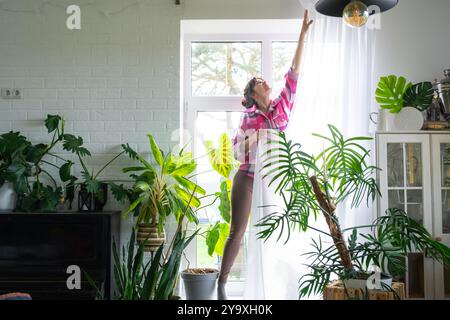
217 66
223 68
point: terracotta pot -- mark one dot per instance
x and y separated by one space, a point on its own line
149 233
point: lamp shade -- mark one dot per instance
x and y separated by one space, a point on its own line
334 8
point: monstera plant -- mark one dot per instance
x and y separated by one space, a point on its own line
393 93
27 167
313 186
419 95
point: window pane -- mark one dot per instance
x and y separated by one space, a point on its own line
224 68
396 199
415 205
413 164
445 164
445 211
395 165
282 54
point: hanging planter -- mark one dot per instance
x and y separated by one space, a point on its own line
148 233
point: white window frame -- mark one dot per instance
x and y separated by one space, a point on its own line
191 105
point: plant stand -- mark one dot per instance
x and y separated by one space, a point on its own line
336 291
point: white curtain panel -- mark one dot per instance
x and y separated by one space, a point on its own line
334 88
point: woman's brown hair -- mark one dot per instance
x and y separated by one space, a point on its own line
248 101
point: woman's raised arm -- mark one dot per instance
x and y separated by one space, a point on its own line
297 60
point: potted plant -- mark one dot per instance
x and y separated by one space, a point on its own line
12 147
139 280
92 194
162 188
200 283
310 186
405 101
29 171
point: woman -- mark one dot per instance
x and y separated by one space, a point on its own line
261 113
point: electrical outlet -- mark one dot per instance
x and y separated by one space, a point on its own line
11 93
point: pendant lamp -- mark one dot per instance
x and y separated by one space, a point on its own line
354 12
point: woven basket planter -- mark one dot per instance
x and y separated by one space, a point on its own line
149 233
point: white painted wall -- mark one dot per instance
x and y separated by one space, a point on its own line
414 40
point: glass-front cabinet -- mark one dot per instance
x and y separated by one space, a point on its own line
415 177
440 145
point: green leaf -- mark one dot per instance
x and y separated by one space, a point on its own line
187 198
119 192
52 122
225 201
224 231
92 185
133 206
390 91
35 153
133 169
129 151
212 236
157 154
64 171
189 185
74 144
419 96
222 158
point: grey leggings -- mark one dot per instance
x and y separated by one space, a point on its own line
241 202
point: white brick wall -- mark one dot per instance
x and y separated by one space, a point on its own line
111 80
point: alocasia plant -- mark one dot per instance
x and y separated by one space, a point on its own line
223 162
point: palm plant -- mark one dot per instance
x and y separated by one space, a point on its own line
310 186
162 187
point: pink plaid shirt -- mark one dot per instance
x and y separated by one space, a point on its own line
253 119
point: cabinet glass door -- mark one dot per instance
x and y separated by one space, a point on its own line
405 192
441 170
405 184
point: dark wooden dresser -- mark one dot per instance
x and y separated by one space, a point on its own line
36 250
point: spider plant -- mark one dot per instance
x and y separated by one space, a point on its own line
310 186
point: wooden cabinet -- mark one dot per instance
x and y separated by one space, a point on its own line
415 177
37 249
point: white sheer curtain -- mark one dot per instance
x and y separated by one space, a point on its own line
334 88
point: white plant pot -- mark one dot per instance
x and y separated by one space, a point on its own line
385 120
408 119
200 286
7 197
